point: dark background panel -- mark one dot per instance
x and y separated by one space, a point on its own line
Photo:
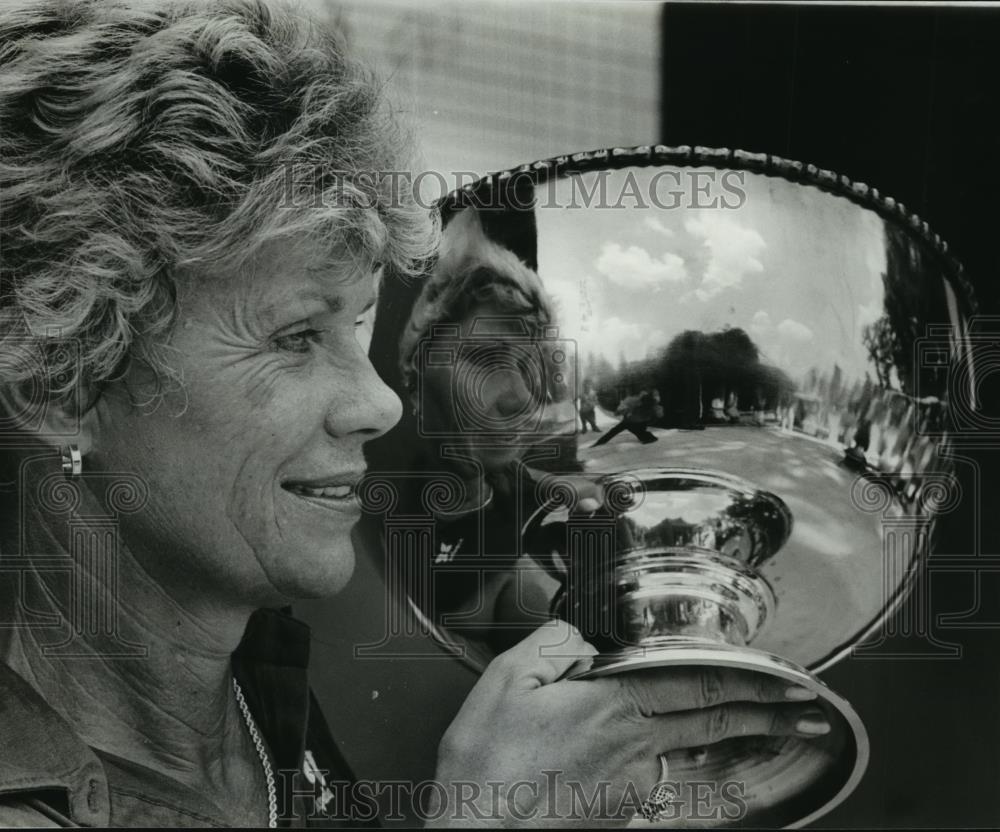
904 99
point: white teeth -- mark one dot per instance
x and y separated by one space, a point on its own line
339 492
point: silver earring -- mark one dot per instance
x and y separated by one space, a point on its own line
72 460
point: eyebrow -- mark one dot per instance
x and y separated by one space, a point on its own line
334 304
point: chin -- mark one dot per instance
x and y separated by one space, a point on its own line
316 569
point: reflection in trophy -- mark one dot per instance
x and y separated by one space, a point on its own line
745 367
682 560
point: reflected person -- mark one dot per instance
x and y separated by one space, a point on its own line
489 390
588 407
637 412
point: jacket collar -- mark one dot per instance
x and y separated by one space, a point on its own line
42 756
40 753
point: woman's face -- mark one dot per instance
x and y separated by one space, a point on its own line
489 395
251 468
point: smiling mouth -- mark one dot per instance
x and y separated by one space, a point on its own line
339 493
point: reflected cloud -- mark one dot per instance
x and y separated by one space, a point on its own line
578 306
794 330
654 224
734 252
761 322
633 267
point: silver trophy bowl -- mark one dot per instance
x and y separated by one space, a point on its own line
756 363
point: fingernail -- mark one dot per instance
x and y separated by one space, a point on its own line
797 693
698 755
813 724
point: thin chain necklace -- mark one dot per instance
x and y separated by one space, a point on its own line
272 795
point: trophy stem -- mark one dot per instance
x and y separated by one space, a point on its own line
690 593
661 595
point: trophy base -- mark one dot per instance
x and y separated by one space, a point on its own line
776 782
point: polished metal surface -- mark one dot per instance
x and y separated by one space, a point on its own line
670 553
773 357
665 572
811 345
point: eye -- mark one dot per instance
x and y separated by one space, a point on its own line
298 342
363 328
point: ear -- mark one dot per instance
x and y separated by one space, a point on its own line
465 242
26 413
463 237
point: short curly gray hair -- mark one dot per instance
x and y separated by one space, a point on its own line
471 273
140 139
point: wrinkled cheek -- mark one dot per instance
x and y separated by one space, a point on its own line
291 557
250 511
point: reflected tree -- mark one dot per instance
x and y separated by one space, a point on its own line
697 367
914 295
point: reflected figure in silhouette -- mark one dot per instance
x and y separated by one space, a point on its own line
637 413
588 408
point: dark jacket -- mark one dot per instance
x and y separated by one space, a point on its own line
640 410
50 777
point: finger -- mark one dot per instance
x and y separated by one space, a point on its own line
544 656
589 496
711 725
667 690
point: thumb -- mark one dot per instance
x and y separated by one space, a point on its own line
544 656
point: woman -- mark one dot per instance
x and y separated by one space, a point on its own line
190 237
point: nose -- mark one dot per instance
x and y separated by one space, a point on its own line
511 396
362 405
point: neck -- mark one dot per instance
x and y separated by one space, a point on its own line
144 677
